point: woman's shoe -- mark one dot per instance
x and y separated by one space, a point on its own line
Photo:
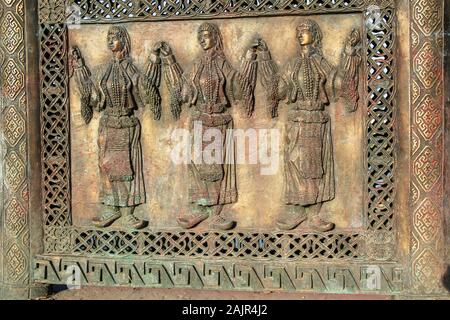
191 220
221 223
320 225
106 219
291 220
132 222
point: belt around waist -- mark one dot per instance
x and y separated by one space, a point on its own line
310 105
212 108
118 122
213 120
306 116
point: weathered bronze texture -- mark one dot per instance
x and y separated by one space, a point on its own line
427 154
358 104
117 91
21 220
210 89
309 83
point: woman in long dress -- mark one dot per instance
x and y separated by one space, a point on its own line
116 90
210 88
308 84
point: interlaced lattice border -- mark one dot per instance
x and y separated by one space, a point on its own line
107 11
55 125
208 244
62 238
380 122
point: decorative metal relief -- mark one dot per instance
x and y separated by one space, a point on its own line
308 84
427 185
15 235
112 191
210 89
117 90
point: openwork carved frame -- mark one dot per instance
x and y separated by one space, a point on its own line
238 259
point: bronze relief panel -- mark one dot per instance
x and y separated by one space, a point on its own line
319 79
122 166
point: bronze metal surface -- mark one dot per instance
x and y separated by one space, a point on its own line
354 88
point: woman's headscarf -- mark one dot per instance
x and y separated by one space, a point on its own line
124 38
214 30
314 28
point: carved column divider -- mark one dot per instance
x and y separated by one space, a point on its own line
20 214
427 147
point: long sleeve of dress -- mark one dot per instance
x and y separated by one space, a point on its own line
150 86
348 78
342 81
331 76
276 86
90 95
243 82
179 88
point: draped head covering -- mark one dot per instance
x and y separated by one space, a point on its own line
214 30
313 27
122 34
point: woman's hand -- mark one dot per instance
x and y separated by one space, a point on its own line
156 48
78 68
252 51
165 49
262 45
352 41
76 60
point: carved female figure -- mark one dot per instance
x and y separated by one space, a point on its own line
116 90
308 84
210 88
